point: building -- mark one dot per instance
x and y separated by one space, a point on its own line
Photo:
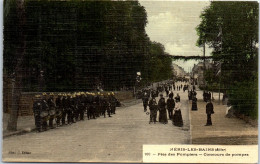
198 72
178 71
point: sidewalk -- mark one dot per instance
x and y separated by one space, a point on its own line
225 131
25 124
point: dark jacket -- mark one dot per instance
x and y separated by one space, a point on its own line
170 103
209 108
153 104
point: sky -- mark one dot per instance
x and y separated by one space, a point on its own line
173 24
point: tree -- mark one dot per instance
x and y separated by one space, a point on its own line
15 10
79 43
231 29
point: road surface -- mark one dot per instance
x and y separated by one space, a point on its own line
119 138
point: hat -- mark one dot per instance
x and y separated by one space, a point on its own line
37 96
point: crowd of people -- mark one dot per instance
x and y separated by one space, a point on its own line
209 106
68 108
172 105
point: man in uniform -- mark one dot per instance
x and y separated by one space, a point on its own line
91 109
76 107
108 105
64 107
113 103
102 105
209 111
96 106
52 110
59 109
81 106
44 112
37 108
145 101
69 109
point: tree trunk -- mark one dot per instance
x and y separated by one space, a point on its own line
17 75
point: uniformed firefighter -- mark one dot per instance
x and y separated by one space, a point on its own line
64 107
113 102
59 109
107 105
69 109
81 106
75 113
37 108
145 101
44 112
52 110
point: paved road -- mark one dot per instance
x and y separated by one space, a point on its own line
119 138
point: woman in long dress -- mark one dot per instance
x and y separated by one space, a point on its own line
162 110
177 117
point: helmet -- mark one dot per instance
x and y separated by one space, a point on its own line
37 96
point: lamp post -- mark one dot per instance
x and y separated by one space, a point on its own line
204 65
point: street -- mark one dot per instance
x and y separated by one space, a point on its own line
114 139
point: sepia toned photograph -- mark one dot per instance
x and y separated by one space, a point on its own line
130 81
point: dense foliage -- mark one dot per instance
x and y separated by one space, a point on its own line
231 29
81 44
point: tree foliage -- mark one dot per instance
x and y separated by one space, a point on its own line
231 29
79 44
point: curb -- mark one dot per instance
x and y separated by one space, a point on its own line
23 131
19 132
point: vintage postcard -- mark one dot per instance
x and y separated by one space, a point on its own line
130 81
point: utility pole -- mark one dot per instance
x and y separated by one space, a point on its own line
204 60
219 85
221 41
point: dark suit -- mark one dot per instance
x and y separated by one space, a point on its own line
209 111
